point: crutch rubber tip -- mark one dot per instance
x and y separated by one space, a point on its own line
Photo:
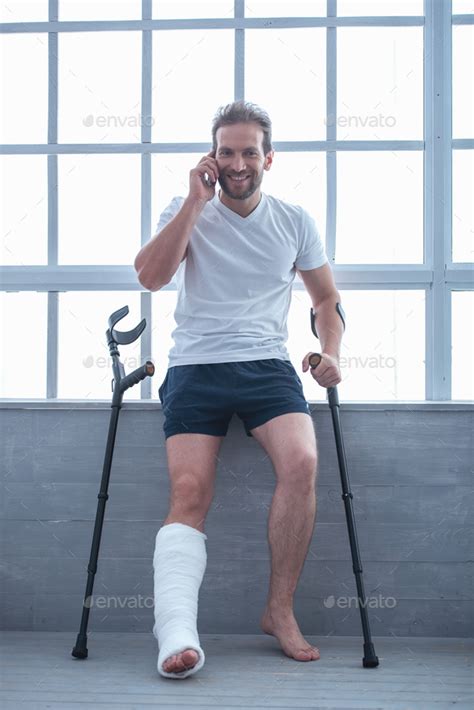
370 660
80 649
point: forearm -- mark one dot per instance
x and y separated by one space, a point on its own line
329 325
158 261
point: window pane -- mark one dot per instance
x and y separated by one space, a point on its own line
463 190
462 345
379 7
99 87
169 178
23 323
294 90
24 11
383 348
163 305
300 178
379 217
100 10
463 81
24 88
463 7
380 99
177 9
84 362
24 213
99 209
285 8
193 76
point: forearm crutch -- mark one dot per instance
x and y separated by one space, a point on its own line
370 660
120 384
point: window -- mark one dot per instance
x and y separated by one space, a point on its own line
102 122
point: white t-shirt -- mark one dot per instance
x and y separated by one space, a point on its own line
234 286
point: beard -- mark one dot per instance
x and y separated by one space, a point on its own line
240 192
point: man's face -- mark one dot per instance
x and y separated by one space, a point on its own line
240 159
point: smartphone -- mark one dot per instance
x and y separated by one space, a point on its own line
208 181
207 178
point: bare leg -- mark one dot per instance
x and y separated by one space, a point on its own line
192 463
290 442
290 528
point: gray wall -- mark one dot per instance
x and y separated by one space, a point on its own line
410 469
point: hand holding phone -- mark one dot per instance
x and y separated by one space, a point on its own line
208 181
203 178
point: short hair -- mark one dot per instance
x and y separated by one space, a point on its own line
243 112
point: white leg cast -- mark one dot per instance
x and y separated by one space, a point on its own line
179 563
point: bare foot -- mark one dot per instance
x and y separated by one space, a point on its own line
285 628
181 661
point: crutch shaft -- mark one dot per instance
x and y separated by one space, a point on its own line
347 498
369 660
80 649
122 383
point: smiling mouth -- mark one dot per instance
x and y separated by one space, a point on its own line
238 179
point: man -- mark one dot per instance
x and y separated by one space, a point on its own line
234 255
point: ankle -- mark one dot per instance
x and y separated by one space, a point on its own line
280 607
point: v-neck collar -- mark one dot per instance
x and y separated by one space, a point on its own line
237 218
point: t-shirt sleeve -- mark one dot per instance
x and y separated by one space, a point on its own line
169 212
311 251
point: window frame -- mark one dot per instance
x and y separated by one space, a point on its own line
438 276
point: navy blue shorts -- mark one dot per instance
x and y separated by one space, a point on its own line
202 398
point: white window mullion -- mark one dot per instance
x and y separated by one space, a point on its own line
52 335
331 134
438 136
239 54
146 196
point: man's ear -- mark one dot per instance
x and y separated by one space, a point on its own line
268 160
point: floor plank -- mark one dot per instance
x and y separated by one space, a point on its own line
241 671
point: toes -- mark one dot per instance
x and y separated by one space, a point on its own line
169 661
189 659
180 662
308 654
190 656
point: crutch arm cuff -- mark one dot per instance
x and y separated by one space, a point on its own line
313 315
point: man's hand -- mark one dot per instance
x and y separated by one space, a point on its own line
327 373
199 189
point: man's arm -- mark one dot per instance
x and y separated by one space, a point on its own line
324 295
157 262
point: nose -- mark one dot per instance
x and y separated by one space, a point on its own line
238 163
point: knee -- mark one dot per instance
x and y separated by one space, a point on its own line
299 469
188 493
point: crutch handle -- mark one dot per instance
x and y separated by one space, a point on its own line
314 360
146 370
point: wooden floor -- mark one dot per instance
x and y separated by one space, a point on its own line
39 672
